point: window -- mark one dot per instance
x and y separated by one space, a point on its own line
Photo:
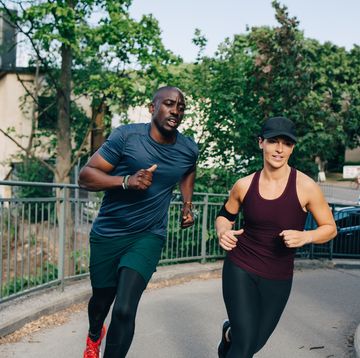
47 113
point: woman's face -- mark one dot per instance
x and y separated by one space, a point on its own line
276 150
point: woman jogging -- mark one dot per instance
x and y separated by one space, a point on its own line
258 269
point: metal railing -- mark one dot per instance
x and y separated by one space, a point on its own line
44 241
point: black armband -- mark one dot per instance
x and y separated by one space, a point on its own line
223 212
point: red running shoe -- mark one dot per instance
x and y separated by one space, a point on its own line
92 349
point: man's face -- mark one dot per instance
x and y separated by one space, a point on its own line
167 111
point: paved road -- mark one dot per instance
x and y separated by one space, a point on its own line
339 194
183 322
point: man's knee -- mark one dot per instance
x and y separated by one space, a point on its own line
101 299
124 312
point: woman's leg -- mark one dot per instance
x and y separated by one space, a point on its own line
242 300
130 287
274 296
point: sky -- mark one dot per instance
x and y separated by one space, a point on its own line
325 20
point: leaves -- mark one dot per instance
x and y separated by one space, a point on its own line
271 72
112 60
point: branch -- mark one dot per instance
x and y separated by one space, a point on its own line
26 89
78 154
94 114
48 166
27 34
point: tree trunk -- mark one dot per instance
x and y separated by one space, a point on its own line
63 158
97 133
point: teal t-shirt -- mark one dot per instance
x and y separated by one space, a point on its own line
130 148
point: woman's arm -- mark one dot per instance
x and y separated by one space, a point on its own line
224 222
319 208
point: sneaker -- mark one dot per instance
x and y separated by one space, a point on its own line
224 345
92 349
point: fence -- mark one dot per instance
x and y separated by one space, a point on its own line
44 241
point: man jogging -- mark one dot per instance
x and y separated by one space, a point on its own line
138 167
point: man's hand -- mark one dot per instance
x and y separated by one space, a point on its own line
142 179
295 238
187 216
227 239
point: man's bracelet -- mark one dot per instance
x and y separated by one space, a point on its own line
125 183
188 203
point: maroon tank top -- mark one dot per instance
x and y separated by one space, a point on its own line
260 249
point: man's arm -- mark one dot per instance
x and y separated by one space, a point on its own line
94 175
187 188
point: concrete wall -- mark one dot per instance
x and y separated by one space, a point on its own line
11 116
352 155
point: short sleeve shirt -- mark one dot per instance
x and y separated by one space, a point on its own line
130 148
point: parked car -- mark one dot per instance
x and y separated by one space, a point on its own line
347 241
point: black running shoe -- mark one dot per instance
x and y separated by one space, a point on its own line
224 345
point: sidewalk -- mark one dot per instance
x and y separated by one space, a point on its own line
16 313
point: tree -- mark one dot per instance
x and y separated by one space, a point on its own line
273 72
113 64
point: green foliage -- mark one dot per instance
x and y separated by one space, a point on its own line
113 64
80 258
31 170
215 180
273 72
48 273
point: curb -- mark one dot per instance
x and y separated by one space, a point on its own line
357 342
16 313
43 304
30 307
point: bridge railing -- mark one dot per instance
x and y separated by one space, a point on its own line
44 240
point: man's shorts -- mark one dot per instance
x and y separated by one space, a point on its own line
140 252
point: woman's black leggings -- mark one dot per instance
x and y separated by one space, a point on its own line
127 295
254 306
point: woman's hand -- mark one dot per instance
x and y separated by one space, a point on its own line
295 238
227 238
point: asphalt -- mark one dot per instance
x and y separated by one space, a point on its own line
16 313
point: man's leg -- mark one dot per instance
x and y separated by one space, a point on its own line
98 309
130 287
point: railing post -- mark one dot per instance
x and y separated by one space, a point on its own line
77 199
311 251
62 234
331 249
204 230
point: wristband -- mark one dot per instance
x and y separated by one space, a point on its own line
188 203
125 183
223 212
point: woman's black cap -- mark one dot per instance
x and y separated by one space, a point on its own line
278 126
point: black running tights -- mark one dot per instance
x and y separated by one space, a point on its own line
254 306
127 295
